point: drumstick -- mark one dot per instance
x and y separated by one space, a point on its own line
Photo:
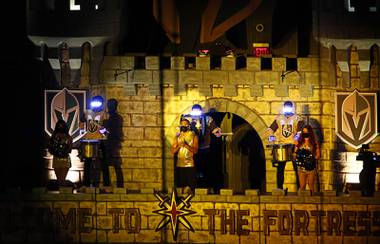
227 134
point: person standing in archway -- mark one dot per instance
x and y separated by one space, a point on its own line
203 125
284 131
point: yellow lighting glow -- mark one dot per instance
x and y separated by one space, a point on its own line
352 167
75 173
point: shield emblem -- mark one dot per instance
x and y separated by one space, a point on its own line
92 127
356 117
287 130
64 104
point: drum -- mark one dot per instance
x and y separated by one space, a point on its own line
89 148
283 152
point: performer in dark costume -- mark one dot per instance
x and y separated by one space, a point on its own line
60 145
307 153
203 125
111 156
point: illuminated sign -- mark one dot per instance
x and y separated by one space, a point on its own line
260 49
67 105
356 117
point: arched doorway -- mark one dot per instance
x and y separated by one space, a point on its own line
242 166
238 157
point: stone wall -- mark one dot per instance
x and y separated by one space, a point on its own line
154 91
134 217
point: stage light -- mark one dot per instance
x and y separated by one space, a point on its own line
96 103
287 110
196 112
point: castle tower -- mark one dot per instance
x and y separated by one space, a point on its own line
72 36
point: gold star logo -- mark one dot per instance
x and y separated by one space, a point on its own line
174 210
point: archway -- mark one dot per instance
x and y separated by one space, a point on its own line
244 167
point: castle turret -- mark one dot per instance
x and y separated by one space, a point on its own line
73 36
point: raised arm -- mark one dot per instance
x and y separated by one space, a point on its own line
194 147
270 130
214 128
175 147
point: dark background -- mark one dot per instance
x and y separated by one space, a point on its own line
23 103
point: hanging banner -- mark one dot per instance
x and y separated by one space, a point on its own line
356 117
64 104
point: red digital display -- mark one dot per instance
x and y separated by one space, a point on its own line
260 51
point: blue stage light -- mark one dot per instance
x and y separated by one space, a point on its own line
96 102
196 110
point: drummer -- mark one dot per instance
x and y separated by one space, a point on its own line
285 129
94 133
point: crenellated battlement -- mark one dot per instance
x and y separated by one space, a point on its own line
230 72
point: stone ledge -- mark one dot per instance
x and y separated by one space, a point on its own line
290 199
252 192
239 198
91 190
304 193
269 199
202 191
226 192
278 192
108 197
355 193
329 193
213 198
66 190
119 190
138 197
39 190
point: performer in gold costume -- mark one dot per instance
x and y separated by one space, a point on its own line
92 146
184 146
283 134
